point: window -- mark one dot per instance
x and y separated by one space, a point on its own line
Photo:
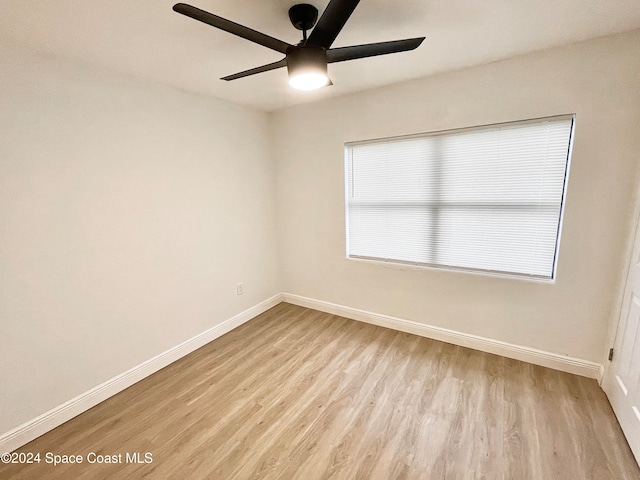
483 199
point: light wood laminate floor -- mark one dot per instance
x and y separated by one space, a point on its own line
300 394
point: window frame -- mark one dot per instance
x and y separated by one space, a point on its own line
403 264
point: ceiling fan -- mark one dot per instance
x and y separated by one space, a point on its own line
307 61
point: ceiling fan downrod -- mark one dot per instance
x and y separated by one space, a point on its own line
303 17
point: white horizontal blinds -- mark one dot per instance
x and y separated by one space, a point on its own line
389 208
484 199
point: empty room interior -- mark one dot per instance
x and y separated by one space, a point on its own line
346 240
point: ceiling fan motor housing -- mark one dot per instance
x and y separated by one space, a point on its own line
300 58
303 16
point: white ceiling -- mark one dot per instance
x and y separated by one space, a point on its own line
147 39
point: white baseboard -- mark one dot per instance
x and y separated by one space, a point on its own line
563 363
32 429
601 373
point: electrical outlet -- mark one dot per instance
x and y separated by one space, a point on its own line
239 289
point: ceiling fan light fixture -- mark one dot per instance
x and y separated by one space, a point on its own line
307 67
307 61
308 81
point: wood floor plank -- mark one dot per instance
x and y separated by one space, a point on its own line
300 394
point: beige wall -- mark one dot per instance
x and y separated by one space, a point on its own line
128 212
597 80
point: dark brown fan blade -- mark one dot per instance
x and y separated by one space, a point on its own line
333 19
232 27
253 71
372 49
